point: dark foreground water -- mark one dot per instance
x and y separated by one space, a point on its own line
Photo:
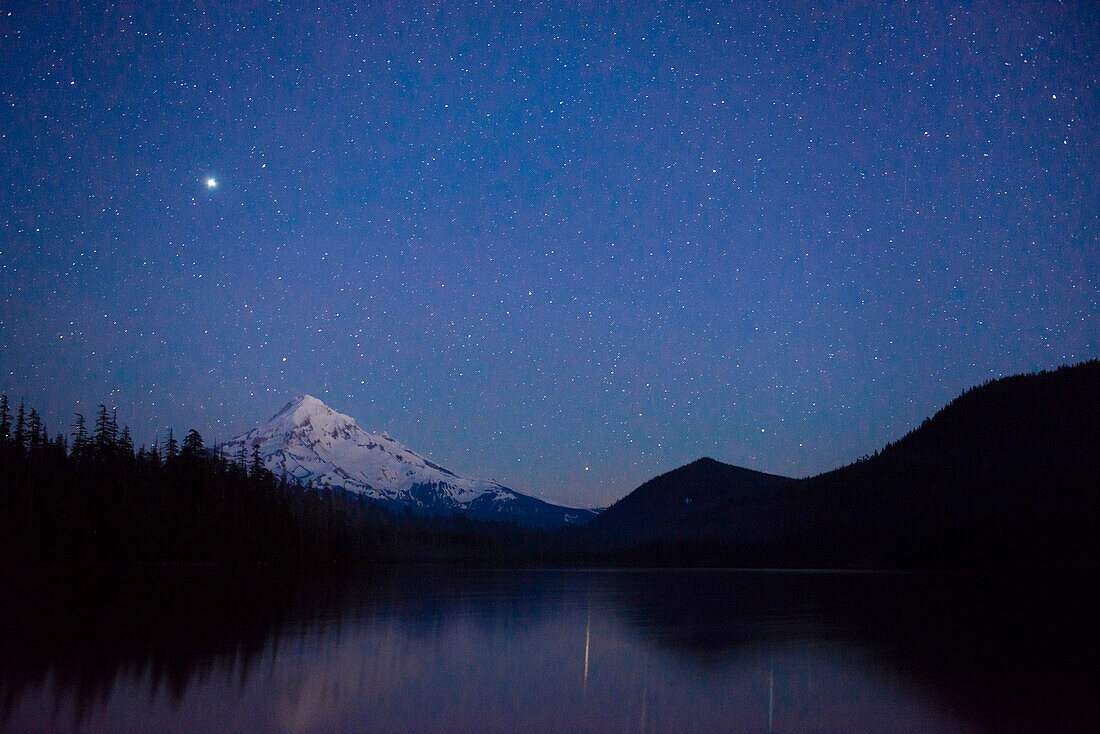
430 649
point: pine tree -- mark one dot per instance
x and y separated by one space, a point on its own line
106 433
5 421
171 446
80 437
20 429
125 443
257 463
192 444
34 431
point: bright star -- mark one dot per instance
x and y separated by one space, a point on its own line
211 183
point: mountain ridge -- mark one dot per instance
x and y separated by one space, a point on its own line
1004 476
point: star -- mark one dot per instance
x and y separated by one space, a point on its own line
211 182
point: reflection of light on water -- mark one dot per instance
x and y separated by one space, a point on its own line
456 659
587 640
771 696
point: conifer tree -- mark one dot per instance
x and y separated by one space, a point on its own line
80 437
257 463
106 433
125 443
5 421
192 444
34 431
171 446
20 429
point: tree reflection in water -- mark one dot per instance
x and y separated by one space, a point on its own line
432 649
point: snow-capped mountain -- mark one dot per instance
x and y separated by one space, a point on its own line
312 443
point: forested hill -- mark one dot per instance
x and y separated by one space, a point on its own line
673 503
1006 476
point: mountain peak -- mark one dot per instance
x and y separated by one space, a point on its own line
310 442
704 461
304 401
305 410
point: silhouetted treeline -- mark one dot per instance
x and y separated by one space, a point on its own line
95 500
1006 476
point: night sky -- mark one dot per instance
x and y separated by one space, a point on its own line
568 247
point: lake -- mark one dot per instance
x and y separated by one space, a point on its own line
442 649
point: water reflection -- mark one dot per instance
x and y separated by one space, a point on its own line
429 649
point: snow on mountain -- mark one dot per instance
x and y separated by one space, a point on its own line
312 443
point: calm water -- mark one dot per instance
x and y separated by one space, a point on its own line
428 649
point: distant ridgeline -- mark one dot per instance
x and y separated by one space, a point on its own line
1005 476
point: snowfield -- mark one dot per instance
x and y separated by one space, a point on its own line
319 447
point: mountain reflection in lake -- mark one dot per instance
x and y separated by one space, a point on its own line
430 649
